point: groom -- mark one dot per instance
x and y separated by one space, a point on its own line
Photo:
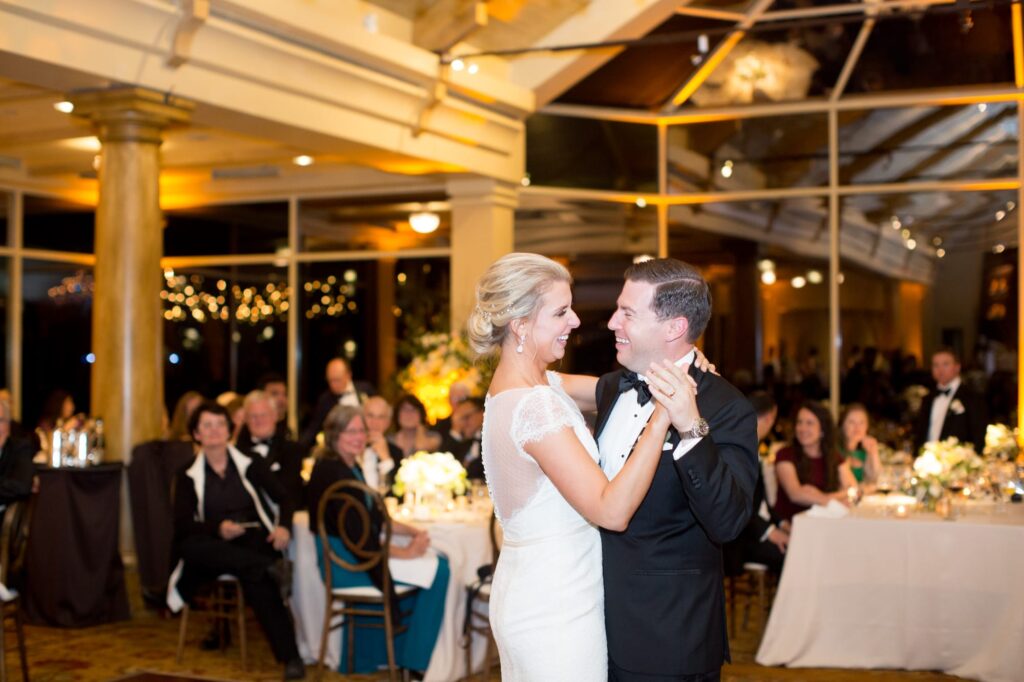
664 603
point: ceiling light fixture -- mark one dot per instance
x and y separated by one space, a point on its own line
940 253
999 248
458 65
641 202
936 241
1000 215
473 69
424 222
765 265
814 277
798 282
525 182
726 169
64 107
768 277
911 244
303 160
983 107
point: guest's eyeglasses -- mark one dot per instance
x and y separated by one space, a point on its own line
355 432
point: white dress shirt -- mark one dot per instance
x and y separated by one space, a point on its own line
350 396
624 426
940 406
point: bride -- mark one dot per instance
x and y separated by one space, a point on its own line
541 463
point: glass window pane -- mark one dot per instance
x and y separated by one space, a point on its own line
753 153
224 328
592 154
227 229
973 142
5 207
57 329
345 224
58 225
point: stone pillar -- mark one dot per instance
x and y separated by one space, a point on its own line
127 387
483 217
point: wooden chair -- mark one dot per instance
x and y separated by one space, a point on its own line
14 534
753 584
347 603
221 602
478 619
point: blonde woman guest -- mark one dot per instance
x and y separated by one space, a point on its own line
541 463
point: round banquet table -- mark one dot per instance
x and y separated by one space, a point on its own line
915 593
464 539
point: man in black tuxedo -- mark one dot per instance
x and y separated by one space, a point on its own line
260 437
463 441
341 390
664 602
766 536
951 408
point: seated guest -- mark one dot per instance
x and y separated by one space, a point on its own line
344 442
275 386
16 452
183 410
341 390
58 408
464 439
381 457
857 448
409 431
810 470
766 536
222 524
457 392
261 438
236 410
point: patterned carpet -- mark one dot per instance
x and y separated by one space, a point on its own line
142 650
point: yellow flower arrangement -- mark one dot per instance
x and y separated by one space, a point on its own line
440 360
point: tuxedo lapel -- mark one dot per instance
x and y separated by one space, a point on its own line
607 397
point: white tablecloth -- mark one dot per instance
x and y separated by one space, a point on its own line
467 546
919 593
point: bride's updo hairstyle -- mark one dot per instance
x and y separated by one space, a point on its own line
510 289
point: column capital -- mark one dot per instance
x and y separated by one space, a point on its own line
130 114
476 190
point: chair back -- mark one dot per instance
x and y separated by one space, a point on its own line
14 539
349 497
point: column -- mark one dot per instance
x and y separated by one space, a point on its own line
127 328
483 218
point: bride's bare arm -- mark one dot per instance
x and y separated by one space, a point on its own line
609 504
582 389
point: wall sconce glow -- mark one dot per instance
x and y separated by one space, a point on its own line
768 277
814 277
911 244
303 160
458 65
726 170
798 282
940 253
764 265
64 107
424 222
999 248
642 258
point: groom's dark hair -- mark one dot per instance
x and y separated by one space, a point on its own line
680 291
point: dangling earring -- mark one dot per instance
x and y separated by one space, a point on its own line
519 348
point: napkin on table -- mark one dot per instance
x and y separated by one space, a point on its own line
834 510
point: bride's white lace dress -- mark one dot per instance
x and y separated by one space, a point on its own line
547 600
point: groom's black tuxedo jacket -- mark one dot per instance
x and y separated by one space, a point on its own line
664 603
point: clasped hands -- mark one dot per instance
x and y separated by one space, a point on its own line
675 393
279 537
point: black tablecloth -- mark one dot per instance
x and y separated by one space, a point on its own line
74 575
149 492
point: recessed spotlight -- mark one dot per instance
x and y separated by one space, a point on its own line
768 277
1010 206
458 65
473 69
765 264
726 169
983 107
64 107
525 182
814 277
936 241
641 202
798 282
896 224
905 233
424 222
911 244
999 248
303 160
940 253
1000 215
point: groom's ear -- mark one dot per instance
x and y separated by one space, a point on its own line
676 329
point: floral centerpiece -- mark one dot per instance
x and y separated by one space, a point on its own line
1001 442
438 361
425 475
941 463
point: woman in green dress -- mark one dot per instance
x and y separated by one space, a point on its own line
858 449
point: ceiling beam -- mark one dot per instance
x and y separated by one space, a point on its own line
447 22
852 58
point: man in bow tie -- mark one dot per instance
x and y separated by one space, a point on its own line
951 409
341 390
664 602
261 438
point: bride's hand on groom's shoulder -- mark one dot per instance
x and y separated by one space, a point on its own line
674 389
702 363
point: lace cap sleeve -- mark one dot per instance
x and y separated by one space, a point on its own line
539 413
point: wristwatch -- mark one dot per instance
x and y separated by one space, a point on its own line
699 429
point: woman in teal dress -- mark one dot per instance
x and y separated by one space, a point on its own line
345 439
859 449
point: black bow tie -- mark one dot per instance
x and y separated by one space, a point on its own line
264 441
944 391
632 380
